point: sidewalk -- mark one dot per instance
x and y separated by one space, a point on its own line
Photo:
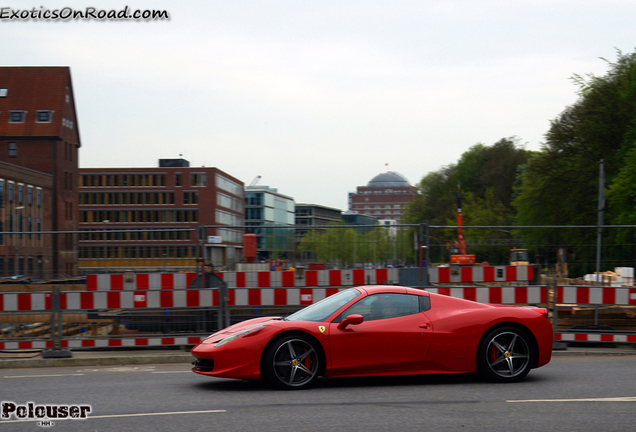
34 359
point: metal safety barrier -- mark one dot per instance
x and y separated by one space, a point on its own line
58 321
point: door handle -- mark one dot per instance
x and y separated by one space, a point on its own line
424 326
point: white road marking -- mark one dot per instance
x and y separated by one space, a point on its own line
613 399
131 369
38 376
169 372
117 416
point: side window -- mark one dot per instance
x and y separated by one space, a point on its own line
425 303
382 306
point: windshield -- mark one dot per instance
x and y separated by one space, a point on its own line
326 307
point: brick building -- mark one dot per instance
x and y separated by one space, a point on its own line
39 132
146 219
25 203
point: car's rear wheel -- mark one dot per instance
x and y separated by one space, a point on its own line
505 354
292 362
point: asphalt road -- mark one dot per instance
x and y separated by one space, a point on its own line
585 393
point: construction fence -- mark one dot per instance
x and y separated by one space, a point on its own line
114 247
156 310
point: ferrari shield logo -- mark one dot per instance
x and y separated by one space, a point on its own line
321 328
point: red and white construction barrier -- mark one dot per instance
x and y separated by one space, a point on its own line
595 337
310 278
86 300
596 295
261 279
295 296
139 281
106 343
169 298
497 295
470 274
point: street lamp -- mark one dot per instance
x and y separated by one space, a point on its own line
104 222
16 239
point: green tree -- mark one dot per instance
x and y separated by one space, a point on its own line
487 175
559 186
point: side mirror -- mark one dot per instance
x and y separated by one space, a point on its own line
350 320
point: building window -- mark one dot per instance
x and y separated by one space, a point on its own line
1 193
30 195
11 191
39 197
13 149
178 180
43 116
229 185
4 92
197 179
17 116
20 193
190 197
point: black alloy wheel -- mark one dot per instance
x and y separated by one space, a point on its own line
292 362
505 354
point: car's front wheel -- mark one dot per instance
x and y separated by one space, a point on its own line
505 354
292 362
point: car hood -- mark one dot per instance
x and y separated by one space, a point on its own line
240 327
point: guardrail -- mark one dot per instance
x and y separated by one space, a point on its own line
58 321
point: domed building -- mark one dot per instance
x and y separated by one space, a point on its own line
388 179
384 197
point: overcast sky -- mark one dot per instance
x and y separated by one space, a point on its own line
317 96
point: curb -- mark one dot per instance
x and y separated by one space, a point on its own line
185 358
592 353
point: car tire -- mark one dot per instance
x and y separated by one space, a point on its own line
292 362
505 354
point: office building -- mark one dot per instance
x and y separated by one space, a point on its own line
150 219
267 214
310 215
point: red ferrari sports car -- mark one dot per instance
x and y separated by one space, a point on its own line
381 330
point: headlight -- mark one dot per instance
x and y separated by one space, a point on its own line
238 335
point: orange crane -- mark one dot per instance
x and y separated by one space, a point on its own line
458 250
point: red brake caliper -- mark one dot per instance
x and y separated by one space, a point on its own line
493 354
307 362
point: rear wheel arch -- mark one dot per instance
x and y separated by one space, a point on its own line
535 344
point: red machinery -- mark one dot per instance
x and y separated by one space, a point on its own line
458 250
